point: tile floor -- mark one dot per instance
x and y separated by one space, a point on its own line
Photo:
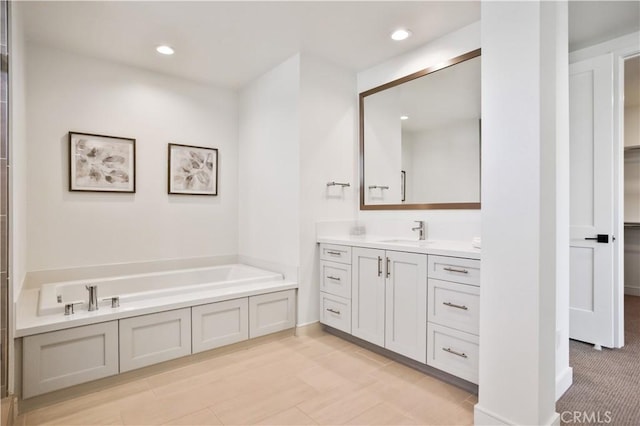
305 380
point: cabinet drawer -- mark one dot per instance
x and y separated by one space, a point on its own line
335 253
454 305
456 269
150 339
453 351
335 278
335 311
219 324
64 358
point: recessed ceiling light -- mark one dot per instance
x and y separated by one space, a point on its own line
404 117
165 50
400 34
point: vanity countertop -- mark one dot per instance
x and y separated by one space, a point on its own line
434 247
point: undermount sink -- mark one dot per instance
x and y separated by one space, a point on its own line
416 243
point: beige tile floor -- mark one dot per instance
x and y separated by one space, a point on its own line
305 380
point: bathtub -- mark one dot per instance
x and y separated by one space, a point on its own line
132 289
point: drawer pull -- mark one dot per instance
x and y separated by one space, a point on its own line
334 253
388 267
329 277
379 266
453 305
462 271
451 351
333 311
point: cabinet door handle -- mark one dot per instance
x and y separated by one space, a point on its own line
453 305
379 266
388 267
329 277
334 253
333 311
451 351
462 271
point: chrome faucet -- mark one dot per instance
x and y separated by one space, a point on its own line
93 297
420 228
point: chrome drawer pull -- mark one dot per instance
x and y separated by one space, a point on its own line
453 305
451 351
462 271
333 311
379 266
334 253
329 277
388 267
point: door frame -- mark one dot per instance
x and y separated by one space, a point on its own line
622 48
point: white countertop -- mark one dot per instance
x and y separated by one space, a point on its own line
28 322
435 247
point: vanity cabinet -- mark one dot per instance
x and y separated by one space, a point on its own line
453 316
389 297
335 286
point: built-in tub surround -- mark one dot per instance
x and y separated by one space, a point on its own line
38 310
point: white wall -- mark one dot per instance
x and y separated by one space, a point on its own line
18 150
519 212
67 92
327 153
443 224
269 172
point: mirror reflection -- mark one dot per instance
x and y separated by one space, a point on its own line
420 139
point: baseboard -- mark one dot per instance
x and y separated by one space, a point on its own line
632 291
485 417
564 381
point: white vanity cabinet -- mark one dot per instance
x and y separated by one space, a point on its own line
335 286
59 359
454 302
389 300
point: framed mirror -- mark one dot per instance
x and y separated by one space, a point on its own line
420 139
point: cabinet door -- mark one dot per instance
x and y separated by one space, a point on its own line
150 339
406 304
367 295
272 312
64 358
219 324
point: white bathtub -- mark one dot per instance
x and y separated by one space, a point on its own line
145 287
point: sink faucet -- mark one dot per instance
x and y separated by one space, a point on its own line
420 228
93 297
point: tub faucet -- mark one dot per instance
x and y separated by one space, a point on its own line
419 228
93 297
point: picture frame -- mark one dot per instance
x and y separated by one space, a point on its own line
192 170
101 163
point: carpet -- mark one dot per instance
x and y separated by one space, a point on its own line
606 384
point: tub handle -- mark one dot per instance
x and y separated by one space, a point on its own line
115 301
68 307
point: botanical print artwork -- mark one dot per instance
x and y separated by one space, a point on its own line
193 170
101 163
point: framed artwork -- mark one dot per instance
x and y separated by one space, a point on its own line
100 163
193 170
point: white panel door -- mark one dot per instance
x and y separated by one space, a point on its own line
406 305
367 294
591 130
272 312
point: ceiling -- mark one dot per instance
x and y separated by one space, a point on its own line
230 43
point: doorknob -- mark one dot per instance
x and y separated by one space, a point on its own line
601 238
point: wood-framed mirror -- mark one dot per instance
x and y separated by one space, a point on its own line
420 139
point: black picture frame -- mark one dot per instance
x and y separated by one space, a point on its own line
192 170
